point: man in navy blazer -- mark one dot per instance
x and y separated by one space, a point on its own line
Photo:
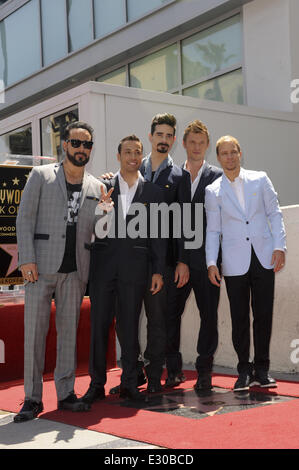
243 215
198 173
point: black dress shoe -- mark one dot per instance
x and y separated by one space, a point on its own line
203 383
243 382
114 390
154 386
94 393
72 403
141 380
263 379
174 379
131 393
29 411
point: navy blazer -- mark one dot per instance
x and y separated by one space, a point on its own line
196 258
128 259
169 180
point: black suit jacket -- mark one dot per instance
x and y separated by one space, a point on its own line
196 258
168 181
128 259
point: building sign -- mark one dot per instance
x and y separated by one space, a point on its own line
12 181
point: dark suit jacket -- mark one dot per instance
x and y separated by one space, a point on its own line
195 258
129 259
168 180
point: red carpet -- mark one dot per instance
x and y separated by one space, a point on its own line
12 333
274 426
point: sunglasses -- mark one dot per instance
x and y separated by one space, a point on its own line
76 143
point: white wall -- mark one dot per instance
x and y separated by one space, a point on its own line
271 61
269 139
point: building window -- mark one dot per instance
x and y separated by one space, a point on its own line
54 34
20 48
206 65
117 77
108 15
227 88
212 50
158 71
80 23
16 142
52 130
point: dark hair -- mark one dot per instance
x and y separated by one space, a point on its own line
164 118
77 125
132 138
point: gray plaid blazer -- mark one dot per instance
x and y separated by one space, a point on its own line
42 218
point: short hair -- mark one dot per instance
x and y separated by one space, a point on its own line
165 118
197 127
227 138
132 138
77 125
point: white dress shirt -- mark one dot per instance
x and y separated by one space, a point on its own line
238 188
194 183
127 193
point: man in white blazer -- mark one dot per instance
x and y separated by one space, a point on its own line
243 215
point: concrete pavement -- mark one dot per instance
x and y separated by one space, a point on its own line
45 434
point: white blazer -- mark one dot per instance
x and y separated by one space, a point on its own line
260 225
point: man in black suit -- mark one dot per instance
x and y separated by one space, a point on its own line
119 270
198 174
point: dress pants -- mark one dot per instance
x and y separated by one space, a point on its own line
259 282
207 299
155 310
69 292
129 298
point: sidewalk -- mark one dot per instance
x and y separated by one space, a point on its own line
45 434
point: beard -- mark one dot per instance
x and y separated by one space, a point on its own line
162 148
81 162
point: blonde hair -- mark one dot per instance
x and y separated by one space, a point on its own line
197 127
227 138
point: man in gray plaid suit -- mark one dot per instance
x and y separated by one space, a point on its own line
54 228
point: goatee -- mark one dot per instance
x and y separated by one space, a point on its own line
81 162
162 148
